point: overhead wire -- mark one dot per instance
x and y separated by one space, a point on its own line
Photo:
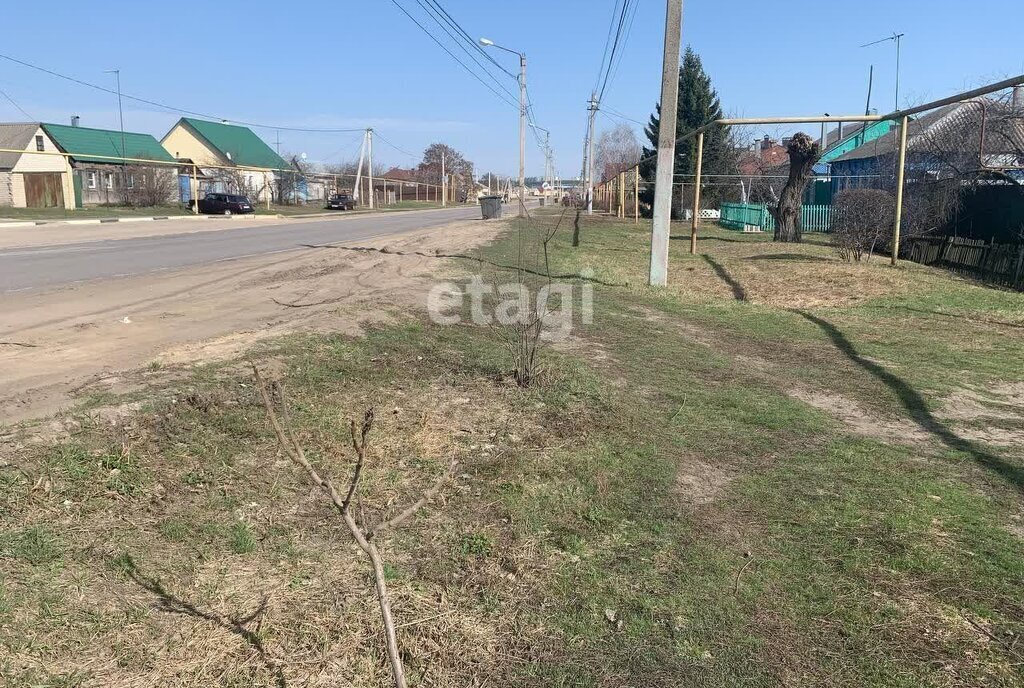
615 47
400 150
454 24
171 108
15 104
443 47
625 40
460 40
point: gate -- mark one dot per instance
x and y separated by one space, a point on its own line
43 190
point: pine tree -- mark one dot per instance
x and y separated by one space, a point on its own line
698 105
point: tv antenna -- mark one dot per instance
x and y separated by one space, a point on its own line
895 37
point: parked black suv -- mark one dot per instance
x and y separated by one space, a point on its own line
225 204
340 202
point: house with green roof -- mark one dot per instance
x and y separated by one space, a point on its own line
32 173
234 158
110 166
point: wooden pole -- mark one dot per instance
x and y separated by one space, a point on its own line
900 169
696 193
636 196
195 190
622 194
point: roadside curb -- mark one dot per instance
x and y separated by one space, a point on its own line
107 220
254 216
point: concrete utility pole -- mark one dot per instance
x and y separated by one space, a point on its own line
357 189
666 144
369 163
522 134
444 185
592 108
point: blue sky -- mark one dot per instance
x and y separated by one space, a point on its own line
331 64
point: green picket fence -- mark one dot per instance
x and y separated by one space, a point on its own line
814 218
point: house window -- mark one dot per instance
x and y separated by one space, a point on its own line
131 181
90 180
109 180
39 143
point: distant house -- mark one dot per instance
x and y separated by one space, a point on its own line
399 174
973 137
232 156
762 156
33 177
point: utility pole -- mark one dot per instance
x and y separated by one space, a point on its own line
592 108
369 162
444 185
357 188
666 144
522 134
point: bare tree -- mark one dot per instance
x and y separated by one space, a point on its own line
615 150
455 166
364 534
803 153
149 186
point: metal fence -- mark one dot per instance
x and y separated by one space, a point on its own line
753 217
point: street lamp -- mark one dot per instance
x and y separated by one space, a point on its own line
120 115
487 43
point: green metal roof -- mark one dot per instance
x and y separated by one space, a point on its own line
245 147
89 145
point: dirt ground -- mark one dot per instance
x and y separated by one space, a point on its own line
85 339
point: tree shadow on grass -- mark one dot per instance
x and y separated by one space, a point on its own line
738 292
917 409
796 257
681 237
237 625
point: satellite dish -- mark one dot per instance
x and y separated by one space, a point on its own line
303 156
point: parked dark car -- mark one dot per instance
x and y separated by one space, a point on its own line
225 204
341 202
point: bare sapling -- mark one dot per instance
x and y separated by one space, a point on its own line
364 534
524 338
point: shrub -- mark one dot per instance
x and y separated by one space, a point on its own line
862 219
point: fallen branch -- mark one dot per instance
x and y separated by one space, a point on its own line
736 583
362 535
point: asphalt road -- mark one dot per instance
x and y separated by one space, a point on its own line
50 266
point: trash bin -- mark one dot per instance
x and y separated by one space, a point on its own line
490 206
543 201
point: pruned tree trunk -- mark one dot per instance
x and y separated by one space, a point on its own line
803 153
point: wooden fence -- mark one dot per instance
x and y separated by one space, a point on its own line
1001 264
752 217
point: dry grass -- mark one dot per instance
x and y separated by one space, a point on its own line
667 512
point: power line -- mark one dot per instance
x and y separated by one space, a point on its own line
606 111
20 109
460 40
453 56
451 21
615 47
625 40
171 108
607 42
400 150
